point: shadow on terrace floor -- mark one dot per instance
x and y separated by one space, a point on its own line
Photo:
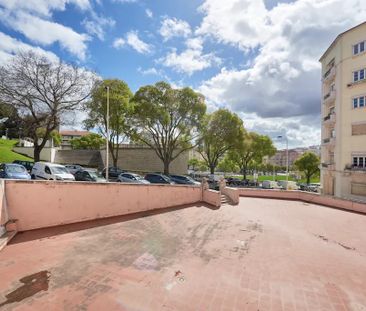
62 229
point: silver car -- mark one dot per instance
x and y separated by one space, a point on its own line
132 178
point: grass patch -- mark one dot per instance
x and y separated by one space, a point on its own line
7 155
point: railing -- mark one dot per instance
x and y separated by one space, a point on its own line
350 167
326 96
327 73
329 116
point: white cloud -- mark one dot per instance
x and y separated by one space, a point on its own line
46 32
43 7
149 71
97 25
136 43
132 39
192 59
10 46
283 79
149 13
33 18
172 27
119 43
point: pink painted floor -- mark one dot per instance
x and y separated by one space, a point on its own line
261 255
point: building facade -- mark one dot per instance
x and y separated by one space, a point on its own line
280 158
343 108
68 135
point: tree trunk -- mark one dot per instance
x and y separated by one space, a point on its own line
37 153
166 167
244 172
308 179
212 169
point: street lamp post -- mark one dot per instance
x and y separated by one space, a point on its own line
107 140
287 161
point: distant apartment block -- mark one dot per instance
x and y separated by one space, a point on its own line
68 135
343 108
280 158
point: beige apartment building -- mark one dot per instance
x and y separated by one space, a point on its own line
343 108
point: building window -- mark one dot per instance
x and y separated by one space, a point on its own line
359 161
359 102
355 161
362 101
359 48
362 74
359 75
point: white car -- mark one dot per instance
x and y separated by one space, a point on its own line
50 171
270 184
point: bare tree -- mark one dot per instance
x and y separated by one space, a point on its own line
43 91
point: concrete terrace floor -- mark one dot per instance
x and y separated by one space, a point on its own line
261 255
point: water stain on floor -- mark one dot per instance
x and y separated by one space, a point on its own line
32 284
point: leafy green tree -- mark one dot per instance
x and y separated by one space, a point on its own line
221 131
308 163
167 119
194 162
11 121
120 110
202 166
54 135
226 165
251 150
91 141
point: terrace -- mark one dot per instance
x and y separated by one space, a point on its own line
262 254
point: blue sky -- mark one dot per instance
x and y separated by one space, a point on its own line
258 58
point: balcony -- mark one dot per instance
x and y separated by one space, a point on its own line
329 119
329 98
328 165
355 168
329 141
329 75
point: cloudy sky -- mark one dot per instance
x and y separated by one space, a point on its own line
257 57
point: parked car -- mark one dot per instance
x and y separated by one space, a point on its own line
50 171
132 178
270 184
113 172
289 185
13 171
157 178
183 180
314 187
27 164
233 181
73 168
88 175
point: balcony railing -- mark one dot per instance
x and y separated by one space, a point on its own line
329 74
329 118
351 167
329 141
328 165
330 97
